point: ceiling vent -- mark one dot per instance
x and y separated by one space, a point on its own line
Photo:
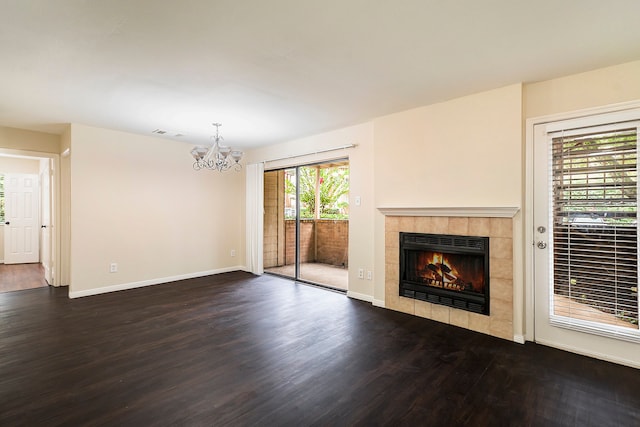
167 133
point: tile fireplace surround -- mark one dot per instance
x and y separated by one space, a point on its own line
495 223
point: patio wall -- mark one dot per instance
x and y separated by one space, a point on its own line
322 241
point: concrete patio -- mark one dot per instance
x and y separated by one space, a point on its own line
322 274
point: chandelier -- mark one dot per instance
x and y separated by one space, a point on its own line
218 157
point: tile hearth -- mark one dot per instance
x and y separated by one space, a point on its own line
500 232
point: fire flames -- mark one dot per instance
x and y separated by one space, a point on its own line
448 272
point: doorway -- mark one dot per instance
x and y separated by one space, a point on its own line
26 213
306 223
585 236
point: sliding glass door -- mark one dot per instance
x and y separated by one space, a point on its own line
306 223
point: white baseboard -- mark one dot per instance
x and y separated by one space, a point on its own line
361 297
378 303
595 355
150 282
519 339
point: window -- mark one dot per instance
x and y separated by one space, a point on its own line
328 185
594 213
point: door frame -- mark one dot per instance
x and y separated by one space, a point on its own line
297 166
55 200
45 227
529 235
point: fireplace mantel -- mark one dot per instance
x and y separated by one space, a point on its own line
485 212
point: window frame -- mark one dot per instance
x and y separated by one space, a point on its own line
525 331
576 323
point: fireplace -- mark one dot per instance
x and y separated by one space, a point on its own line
446 269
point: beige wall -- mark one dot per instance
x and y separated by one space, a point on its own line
26 140
19 165
136 201
15 165
466 152
592 89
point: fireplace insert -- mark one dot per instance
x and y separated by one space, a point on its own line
445 269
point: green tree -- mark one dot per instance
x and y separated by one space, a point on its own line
334 183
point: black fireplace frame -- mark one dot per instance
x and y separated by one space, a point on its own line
449 244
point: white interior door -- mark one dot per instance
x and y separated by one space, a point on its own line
21 237
585 236
45 220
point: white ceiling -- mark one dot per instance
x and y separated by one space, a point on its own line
275 70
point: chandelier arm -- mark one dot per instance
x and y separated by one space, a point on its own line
209 153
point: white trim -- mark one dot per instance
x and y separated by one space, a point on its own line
596 355
150 282
519 339
359 296
27 154
484 212
378 303
529 276
577 114
595 328
311 153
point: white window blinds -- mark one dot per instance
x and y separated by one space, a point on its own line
594 196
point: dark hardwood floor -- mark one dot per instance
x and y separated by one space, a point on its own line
17 277
235 349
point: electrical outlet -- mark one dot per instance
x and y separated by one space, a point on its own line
233 252
368 274
361 273
113 267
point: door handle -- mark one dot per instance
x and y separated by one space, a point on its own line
43 226
541 245
7 223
